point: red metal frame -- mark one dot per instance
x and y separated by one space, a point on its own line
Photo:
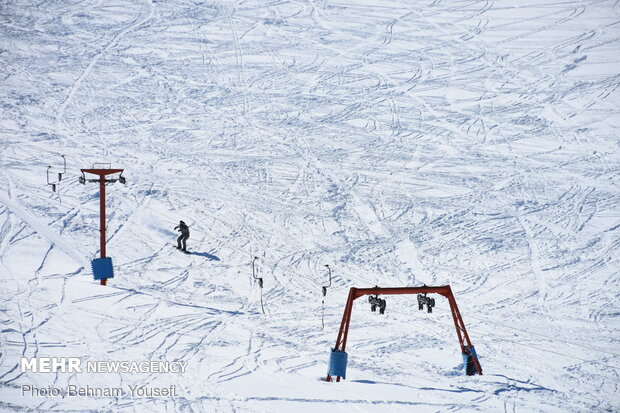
446 291
102 174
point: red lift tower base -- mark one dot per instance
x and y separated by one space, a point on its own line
446 291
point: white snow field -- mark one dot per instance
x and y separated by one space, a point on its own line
469 143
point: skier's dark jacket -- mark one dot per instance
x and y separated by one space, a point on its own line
183 228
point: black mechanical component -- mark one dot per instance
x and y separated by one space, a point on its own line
423 300
325 287
82 179
260 280
260 284
53 184
375 302
64 170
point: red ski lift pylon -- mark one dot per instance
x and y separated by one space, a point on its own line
102 173
338 358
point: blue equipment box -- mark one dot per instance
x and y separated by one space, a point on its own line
102 268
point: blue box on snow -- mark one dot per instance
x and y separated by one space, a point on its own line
102 268
338 363
468 361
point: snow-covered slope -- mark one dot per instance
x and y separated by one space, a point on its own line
470 143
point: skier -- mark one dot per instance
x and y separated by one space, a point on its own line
184 235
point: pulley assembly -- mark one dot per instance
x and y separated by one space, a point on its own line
423 300
375 302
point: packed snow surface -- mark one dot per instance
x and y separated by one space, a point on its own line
469 143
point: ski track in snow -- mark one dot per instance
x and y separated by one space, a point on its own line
470 143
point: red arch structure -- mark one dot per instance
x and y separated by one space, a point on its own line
446 291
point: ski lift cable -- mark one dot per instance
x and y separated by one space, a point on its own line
533 333
477 318
468 315
210 236
322 320
294 272
173 219
237 249
482 335
514 342
67 204
536 334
